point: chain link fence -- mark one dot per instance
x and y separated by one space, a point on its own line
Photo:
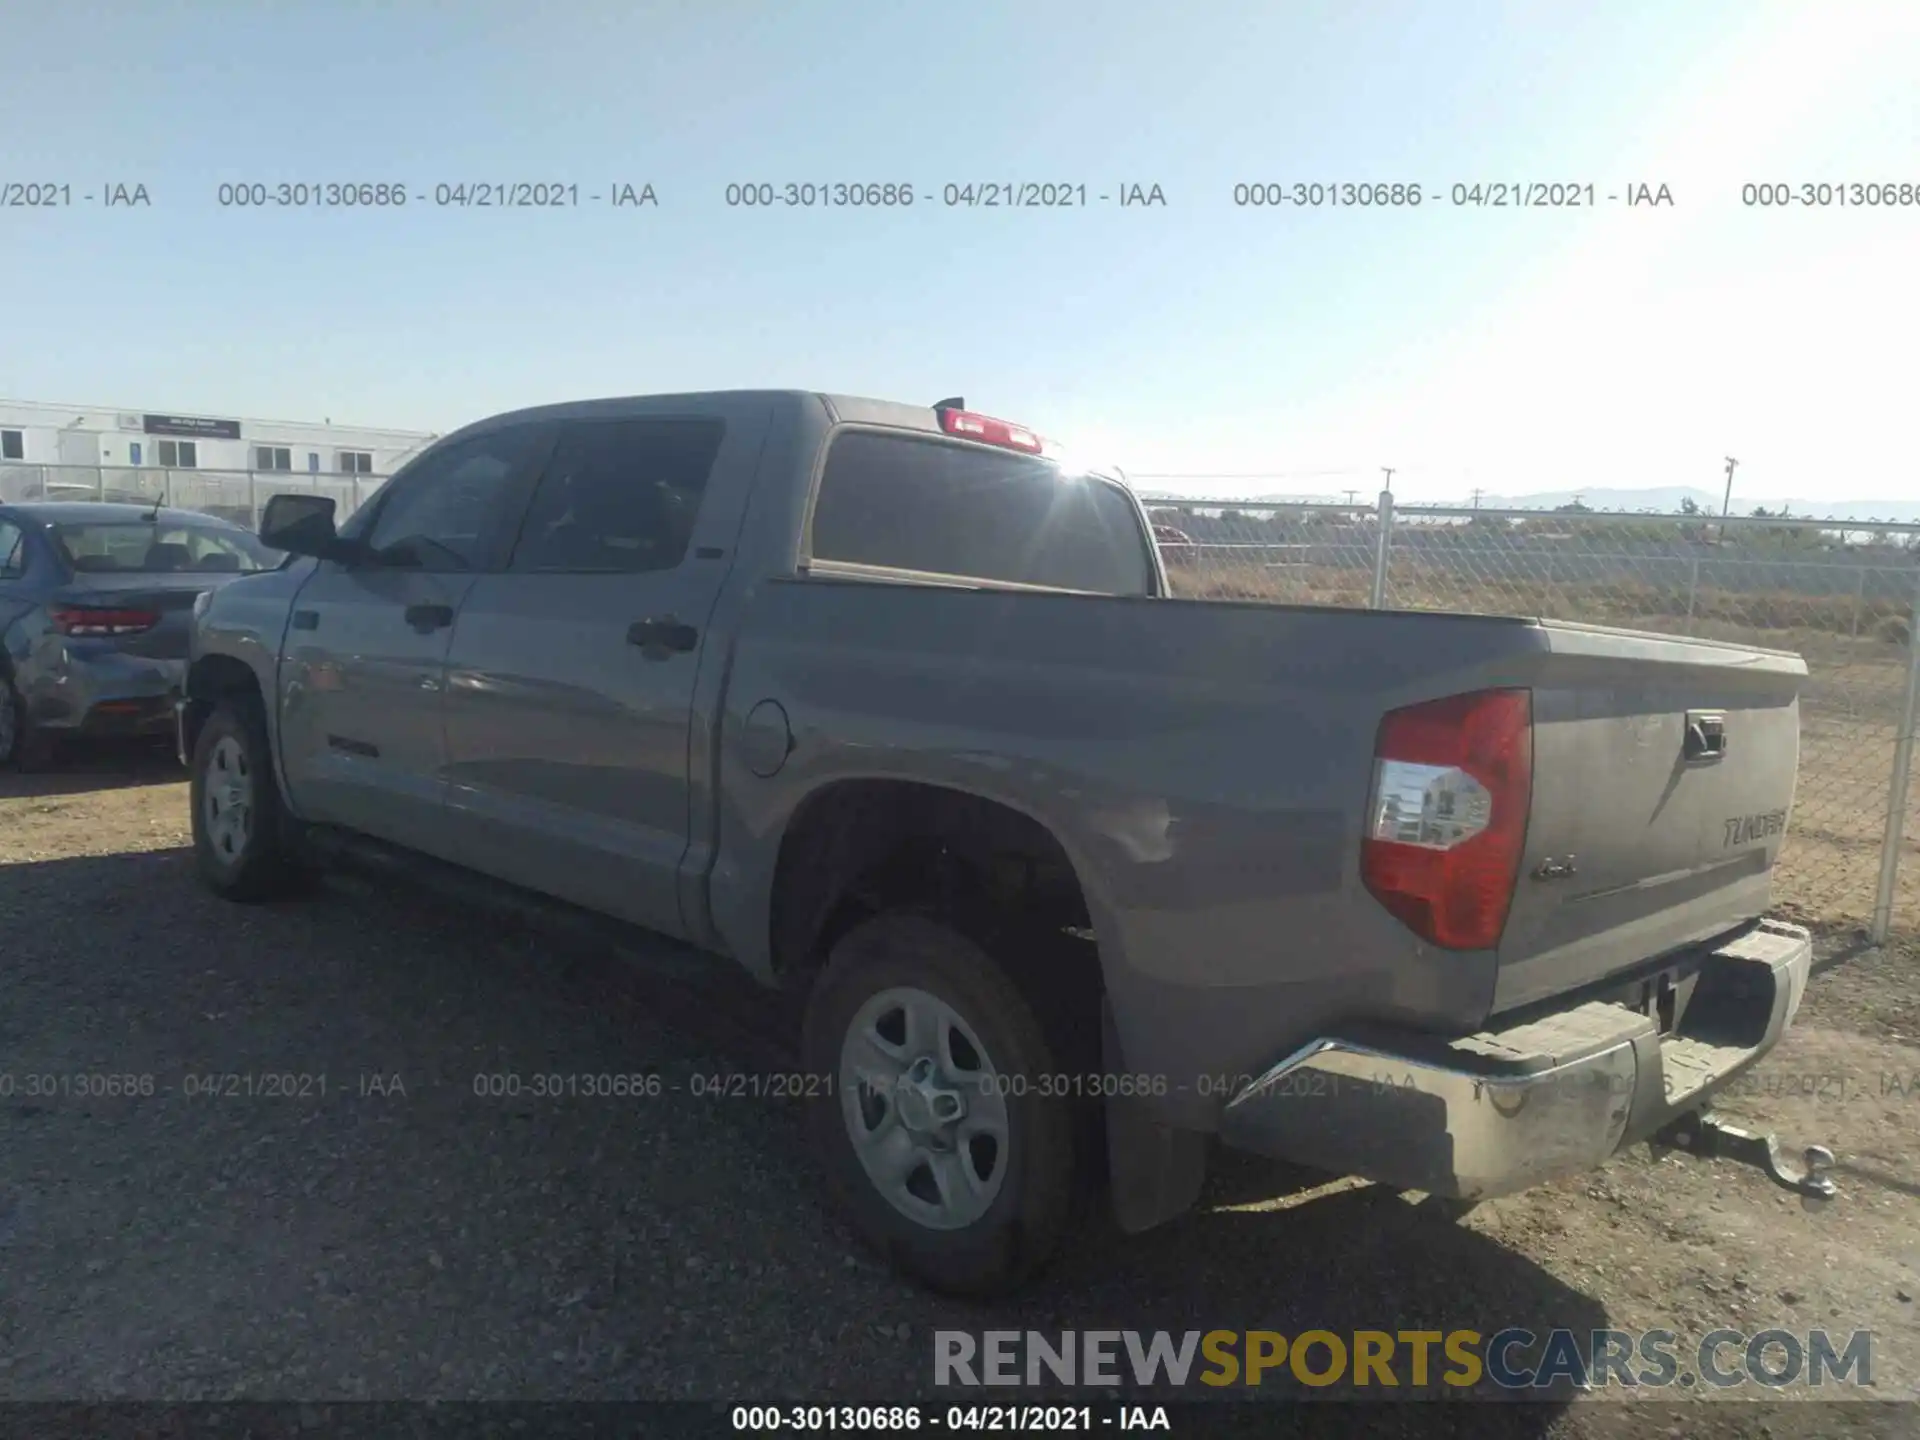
1844 597
236 495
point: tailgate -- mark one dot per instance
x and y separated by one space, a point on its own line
1663 776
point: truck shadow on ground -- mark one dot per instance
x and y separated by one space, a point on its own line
83 766
696 1226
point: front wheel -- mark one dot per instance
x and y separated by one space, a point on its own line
239 832
937 1144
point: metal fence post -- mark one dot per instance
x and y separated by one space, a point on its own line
1693 590
1382 551
1895 835
1859 599
253 505
100 485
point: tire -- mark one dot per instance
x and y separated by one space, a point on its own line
1012 1195
23 746
240 839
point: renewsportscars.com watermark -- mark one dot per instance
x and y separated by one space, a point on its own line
1511 1359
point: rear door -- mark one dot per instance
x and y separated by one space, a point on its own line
16 595
363 738
571 677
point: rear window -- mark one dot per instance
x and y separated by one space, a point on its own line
136 547
963 510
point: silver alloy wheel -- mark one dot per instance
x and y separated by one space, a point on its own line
227 799
924 1107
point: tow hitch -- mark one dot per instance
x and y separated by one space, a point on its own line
1706 1135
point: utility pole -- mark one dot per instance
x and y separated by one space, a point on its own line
1387 470
1352 496
1726 504
1477 493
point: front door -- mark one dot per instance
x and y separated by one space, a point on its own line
571 678
363 736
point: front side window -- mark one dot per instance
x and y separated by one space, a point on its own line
618 495
140 547
442 513
903 503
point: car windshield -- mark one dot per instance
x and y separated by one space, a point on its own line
159 548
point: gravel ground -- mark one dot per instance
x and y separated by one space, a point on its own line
401 1237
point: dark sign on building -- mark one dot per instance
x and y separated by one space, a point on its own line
191 425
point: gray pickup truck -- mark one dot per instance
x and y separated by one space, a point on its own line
889 706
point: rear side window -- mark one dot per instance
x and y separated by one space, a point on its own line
910 504
618 496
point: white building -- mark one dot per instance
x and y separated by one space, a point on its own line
110 437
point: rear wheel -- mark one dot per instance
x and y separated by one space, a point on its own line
23 745
239 831
936 1141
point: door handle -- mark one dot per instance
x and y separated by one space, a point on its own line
429 617
662 633
1706 735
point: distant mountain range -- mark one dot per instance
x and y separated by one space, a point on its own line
1662 500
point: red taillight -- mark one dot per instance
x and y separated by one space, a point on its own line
989 431
1447 820
91 620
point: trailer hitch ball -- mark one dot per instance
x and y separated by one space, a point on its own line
1706 1135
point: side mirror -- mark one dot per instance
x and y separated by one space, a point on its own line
302 525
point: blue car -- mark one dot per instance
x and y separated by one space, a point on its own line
96 602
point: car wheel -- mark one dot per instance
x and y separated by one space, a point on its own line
23 745
239 833
936 1143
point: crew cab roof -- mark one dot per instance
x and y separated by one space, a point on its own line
849 409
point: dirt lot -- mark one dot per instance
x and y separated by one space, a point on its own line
401 1237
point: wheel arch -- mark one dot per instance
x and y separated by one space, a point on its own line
211 679
855 848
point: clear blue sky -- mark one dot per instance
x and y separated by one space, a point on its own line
1513 350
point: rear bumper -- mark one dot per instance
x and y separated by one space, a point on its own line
104 693
1502 1111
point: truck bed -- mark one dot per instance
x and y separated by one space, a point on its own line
1206 765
